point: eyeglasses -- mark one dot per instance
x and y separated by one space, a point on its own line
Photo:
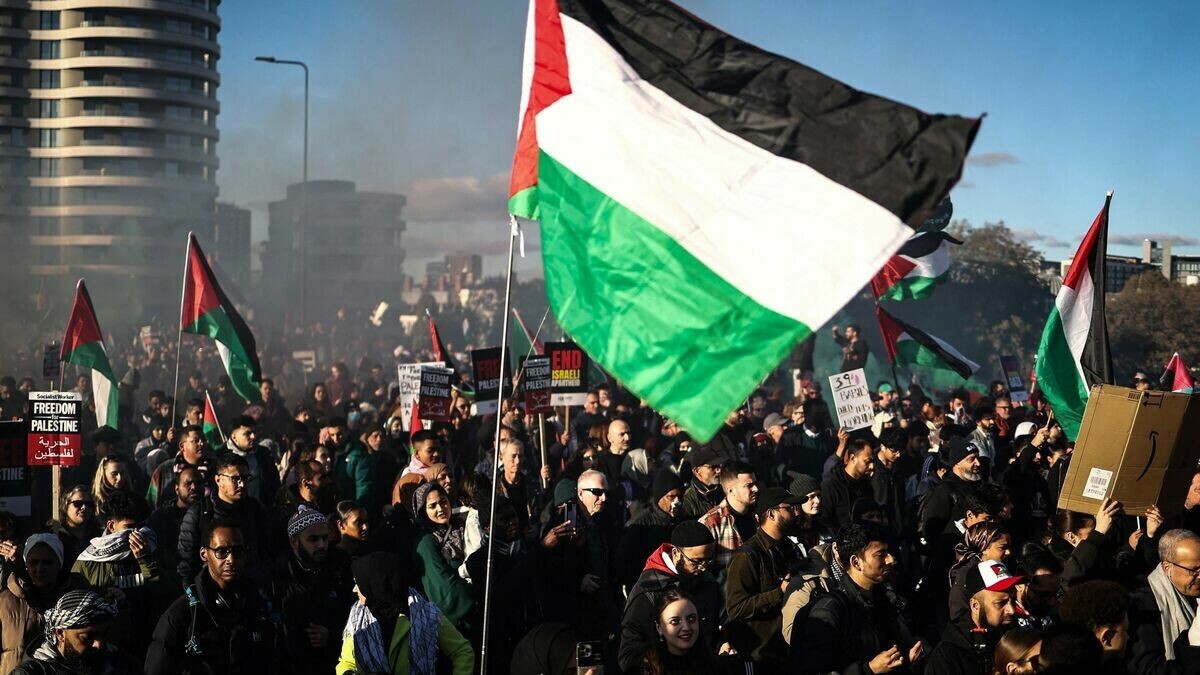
700 564
1194 571
237 480
223 552
596 492
81 504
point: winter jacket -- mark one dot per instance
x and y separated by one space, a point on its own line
262 466
698 499
148 588
440 580
961 651
115 662
943 505
247 513
846 628
452 647
838 493
321 596
754 599
354 474
21 618
641 537
1145 654
638 634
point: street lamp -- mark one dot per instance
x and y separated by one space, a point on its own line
303 191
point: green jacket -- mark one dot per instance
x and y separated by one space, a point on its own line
443 587
353 473
451 644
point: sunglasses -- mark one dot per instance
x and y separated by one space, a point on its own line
596 492
237 480
223 552
81 504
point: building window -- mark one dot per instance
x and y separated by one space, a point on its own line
48 108
49 21
48 79
179 83
177 141
49 49
47 138
47 168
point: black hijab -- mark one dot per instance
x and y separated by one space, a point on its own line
380 579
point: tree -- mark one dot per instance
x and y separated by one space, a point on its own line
1148 321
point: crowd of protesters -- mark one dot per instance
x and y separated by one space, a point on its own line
317 535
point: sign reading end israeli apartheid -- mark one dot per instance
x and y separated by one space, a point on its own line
485 365
852 399
409 382
53 437
568 373
536 381
433 402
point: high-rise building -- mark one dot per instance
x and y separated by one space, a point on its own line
352 253
465 269
231 243
108 132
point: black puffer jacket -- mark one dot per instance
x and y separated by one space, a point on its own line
845 629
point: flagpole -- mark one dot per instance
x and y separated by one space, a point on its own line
513 232
187 257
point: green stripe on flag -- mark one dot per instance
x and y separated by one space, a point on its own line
912 353
1058 376
92 355
664 324
915 288
215 324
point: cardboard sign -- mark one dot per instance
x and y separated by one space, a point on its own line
307 359
485 365
53 437
536 382
568 373
433 400
14 475
1012 377
852 399
51 367
409 380
1137 447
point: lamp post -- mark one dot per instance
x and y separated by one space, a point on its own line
303 192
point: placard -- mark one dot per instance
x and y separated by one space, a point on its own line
485 365
852 399
53 437
1012 377
408 377
307 359
51 366
568 373
536 382
15 487
433 400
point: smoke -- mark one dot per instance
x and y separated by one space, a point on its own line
991 159
1030 236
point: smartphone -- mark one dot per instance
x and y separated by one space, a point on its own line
589 654
572 519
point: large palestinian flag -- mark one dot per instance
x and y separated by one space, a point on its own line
83 345
207 311
908 345
682 176
1073 354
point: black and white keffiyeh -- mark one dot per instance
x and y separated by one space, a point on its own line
77 609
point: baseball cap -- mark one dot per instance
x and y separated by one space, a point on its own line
705 455
885 388
991 575
774 419
773 497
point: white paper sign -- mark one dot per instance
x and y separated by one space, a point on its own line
852 399
409 376
1097 484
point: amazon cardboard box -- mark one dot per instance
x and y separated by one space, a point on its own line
1138 447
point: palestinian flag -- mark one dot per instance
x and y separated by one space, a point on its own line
212 428
910 346
1177 377
1073 354
440 353
525 343
207 311
83 345
679 174
920 265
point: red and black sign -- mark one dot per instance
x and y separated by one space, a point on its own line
535 381
568 373
485 364
433 402
53 437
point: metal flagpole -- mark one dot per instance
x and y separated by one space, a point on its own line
514 230
187 257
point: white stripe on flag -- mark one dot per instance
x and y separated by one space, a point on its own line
1075 311
101 390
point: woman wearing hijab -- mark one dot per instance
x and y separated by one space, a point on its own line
392 629
439 553
24 602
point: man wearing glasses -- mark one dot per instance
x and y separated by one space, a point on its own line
1164 607
223 622
230 501
757 581
683 563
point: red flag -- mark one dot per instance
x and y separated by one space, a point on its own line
1177 377
440 353
414 419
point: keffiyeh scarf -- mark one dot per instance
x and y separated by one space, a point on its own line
115 546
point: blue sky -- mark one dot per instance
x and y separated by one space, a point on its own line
420 97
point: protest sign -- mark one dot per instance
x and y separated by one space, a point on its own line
1012 377
852 399
536 382
53 437
14 475
51 367
485 364
150 339
408 377
568 373
433 400
1137 447
307 359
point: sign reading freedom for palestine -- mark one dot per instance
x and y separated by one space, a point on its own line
434 400
852 399
568 373
409 376
53 438
536 382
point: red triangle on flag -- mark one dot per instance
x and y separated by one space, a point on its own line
82 327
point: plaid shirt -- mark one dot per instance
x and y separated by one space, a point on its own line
719 521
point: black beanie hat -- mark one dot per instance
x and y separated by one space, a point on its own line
664 481
691 533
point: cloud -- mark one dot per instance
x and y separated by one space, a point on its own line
991 159
1030 236
1136 239
458 198
964 184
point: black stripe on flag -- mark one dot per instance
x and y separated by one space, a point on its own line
899 157
1096 360
925 243
926 340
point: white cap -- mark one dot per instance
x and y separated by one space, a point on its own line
1025 429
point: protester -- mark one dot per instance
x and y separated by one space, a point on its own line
76 640
26 598
968 644
681 647
732 521
704 491
166 520
425 452
1067 649
76 524
353 529
647 531
192 454
1103 608
243 442
231 502
438 554
847 484
1164 607
1017 653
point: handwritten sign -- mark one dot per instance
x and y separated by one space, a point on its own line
568 373
537 382
485 365
409 381
1012 376
433 399
53 437
852 399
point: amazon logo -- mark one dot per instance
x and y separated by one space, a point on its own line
1153 452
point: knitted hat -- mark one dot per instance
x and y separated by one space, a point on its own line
802 484
664 481
957 449
46 538
304 519
691 533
